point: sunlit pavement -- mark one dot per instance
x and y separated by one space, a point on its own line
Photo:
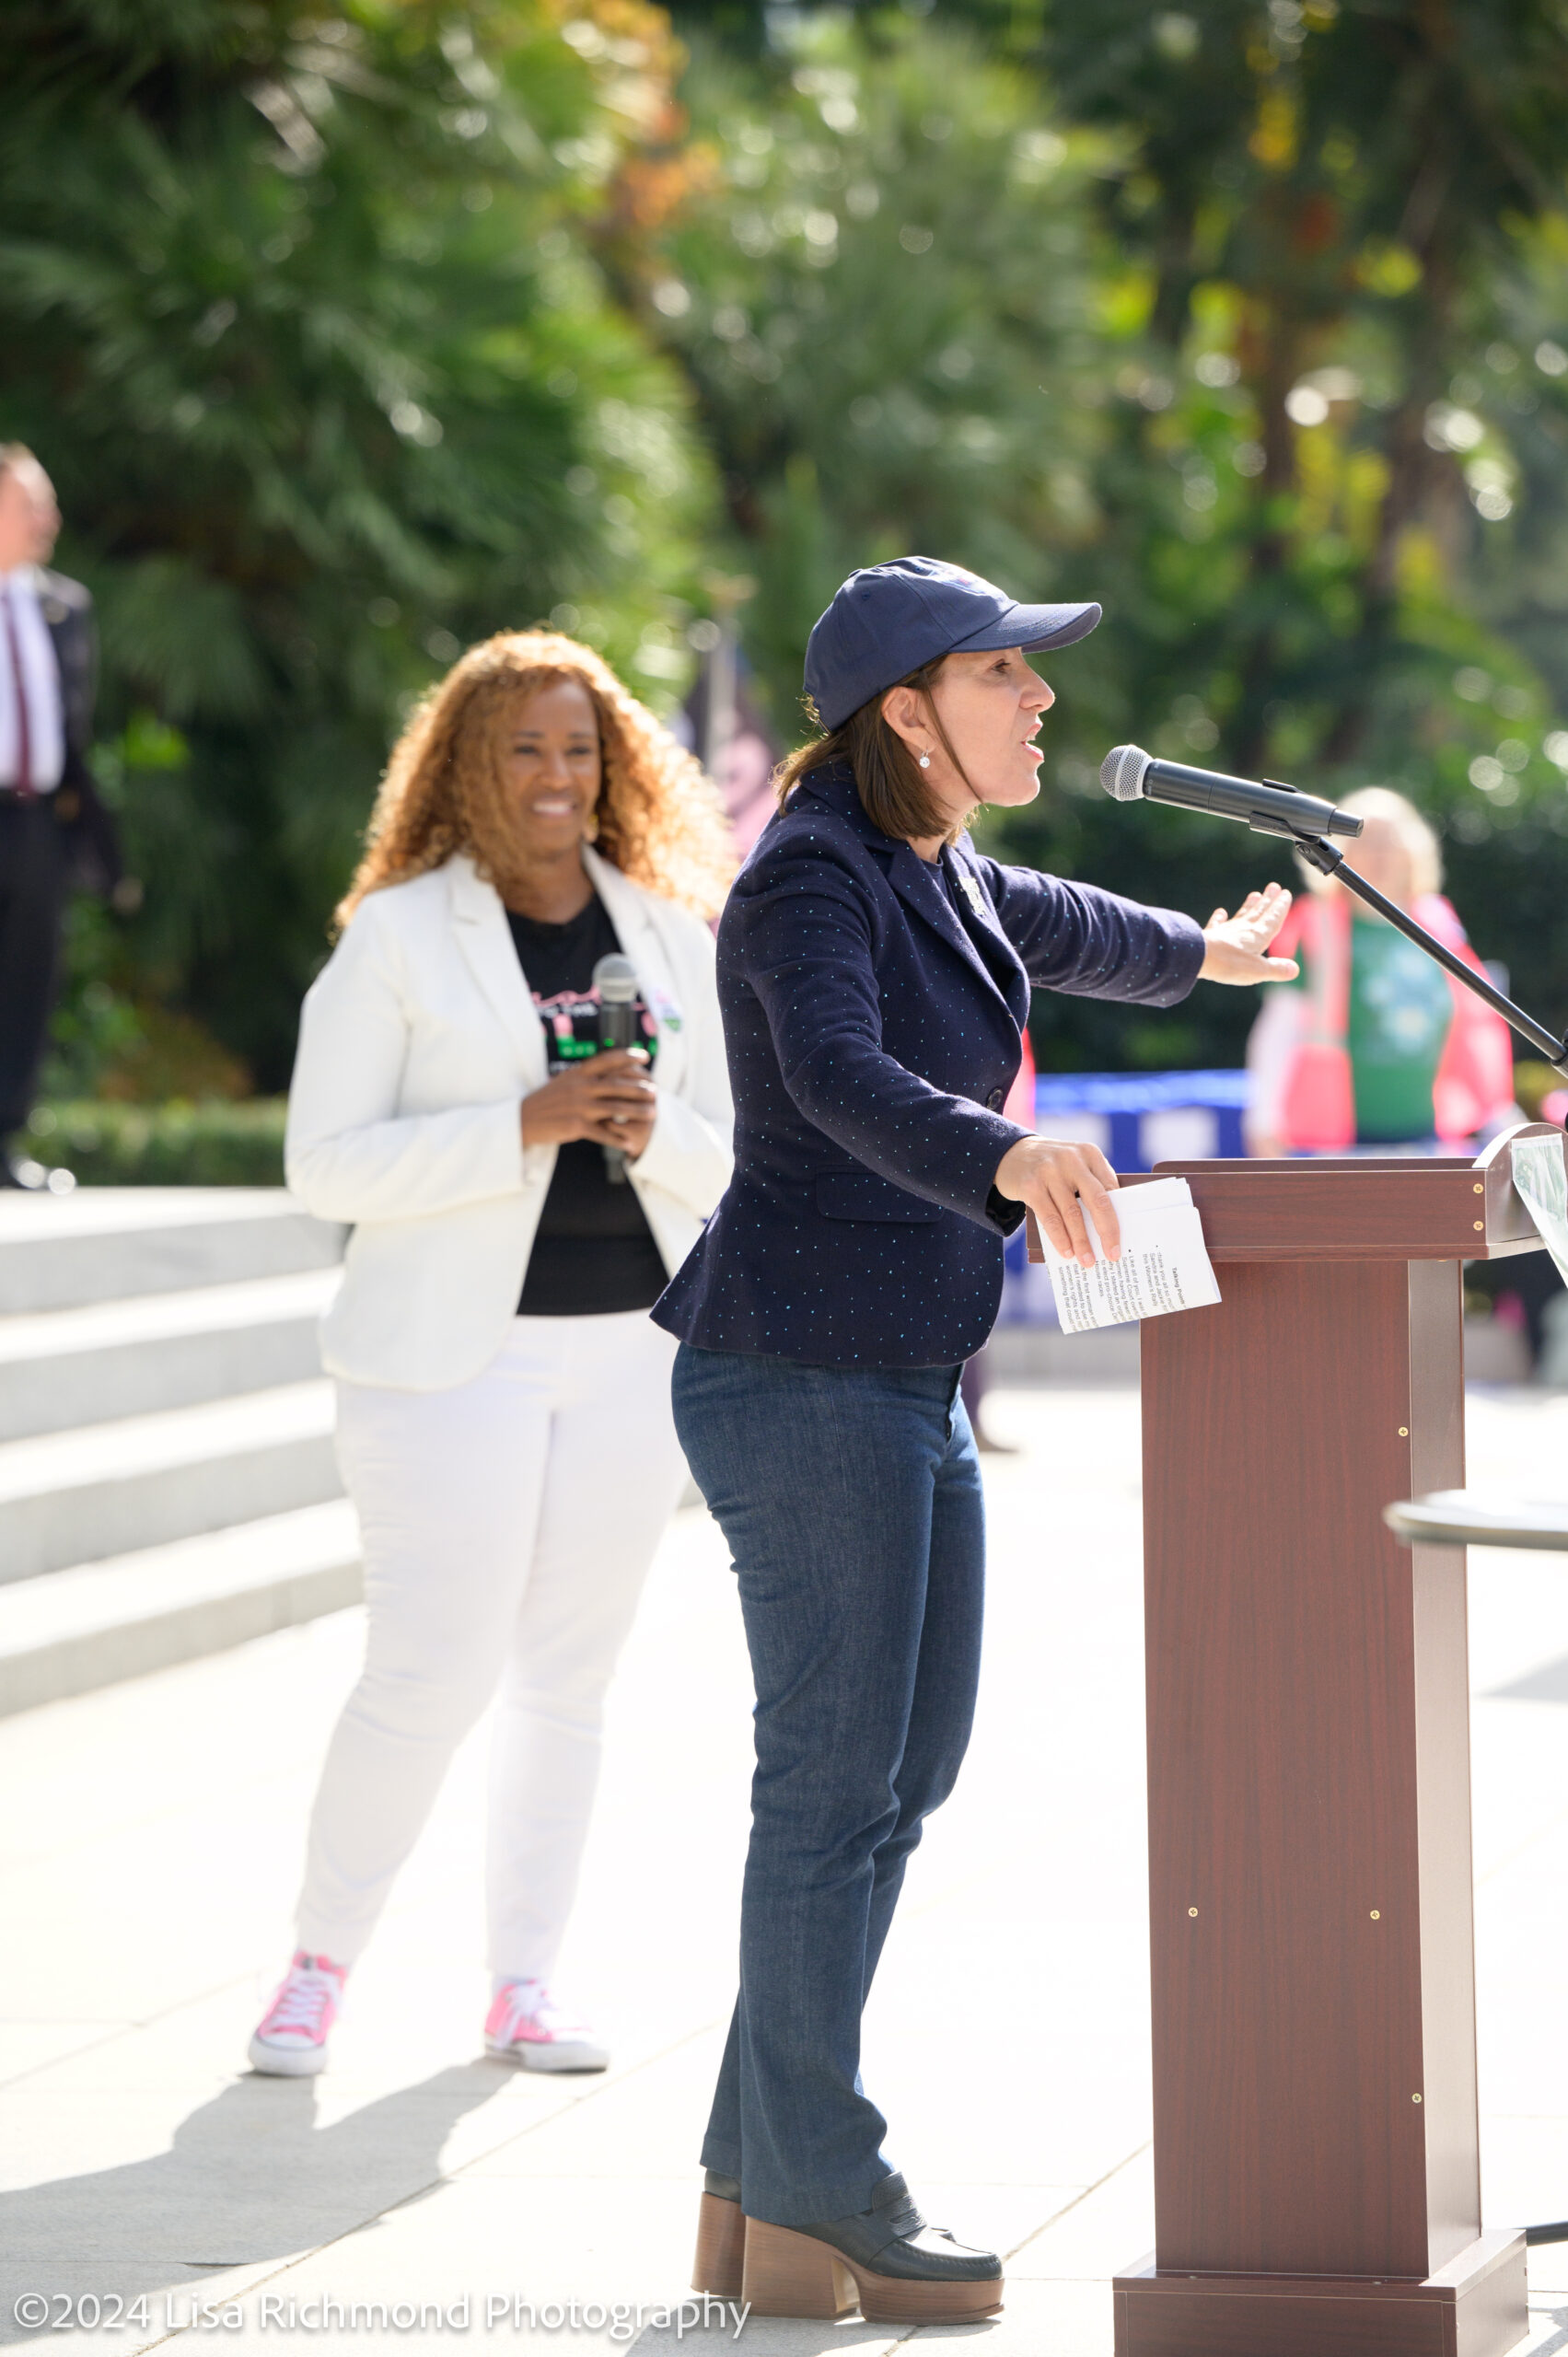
151 1843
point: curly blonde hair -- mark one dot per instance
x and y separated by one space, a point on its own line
661 820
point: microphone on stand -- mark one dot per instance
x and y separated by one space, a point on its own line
1129 774
615 979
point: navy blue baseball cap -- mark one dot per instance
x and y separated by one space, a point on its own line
889 619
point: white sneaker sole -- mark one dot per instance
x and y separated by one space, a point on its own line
529 2055
287 2062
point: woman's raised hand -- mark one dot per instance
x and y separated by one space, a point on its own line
608 1098
1060 1183
1235 945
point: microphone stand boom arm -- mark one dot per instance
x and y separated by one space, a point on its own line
1329 861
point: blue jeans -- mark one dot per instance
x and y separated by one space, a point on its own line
850 1500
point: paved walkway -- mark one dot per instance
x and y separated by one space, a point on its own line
150 1850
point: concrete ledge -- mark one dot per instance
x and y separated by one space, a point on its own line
73 1497
63 1368
1027 1354
1495 1353
98 1623
105 1243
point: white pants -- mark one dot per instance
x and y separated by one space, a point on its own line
507 1527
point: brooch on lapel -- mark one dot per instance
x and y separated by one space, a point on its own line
971 891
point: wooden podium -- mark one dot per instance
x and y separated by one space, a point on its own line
1317 2182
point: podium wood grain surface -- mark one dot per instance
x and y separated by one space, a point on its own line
1317 2180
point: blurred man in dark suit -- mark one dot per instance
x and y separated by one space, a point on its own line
53 829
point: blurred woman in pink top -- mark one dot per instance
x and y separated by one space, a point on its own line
1374 1044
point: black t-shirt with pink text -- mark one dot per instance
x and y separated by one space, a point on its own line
593 1253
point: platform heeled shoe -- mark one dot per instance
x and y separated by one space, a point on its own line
886 2259
720 2238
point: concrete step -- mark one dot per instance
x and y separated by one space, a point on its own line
76 1497
74 1631
107 1243
64 1367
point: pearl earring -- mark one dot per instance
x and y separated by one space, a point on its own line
925 761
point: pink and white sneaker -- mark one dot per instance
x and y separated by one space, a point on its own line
291 2040
526 2026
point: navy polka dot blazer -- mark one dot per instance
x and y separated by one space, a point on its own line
873 1034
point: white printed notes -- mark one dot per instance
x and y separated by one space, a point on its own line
1539 1177
1163 1266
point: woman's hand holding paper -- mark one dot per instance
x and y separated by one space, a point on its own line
1061 1184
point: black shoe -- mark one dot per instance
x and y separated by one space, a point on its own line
892 2238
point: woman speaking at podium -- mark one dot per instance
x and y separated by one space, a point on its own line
875 974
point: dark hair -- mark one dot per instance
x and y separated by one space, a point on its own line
893 792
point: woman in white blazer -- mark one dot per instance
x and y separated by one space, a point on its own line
516 1203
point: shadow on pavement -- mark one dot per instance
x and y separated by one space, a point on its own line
1548 1684
249 2177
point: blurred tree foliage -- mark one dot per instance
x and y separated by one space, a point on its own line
354 329
1266 309
889 301
299 310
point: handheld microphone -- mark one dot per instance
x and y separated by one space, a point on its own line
1129 774
615 979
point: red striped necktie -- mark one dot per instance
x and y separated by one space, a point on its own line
22 782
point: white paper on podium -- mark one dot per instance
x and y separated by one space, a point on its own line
1163 1265
1539 1177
